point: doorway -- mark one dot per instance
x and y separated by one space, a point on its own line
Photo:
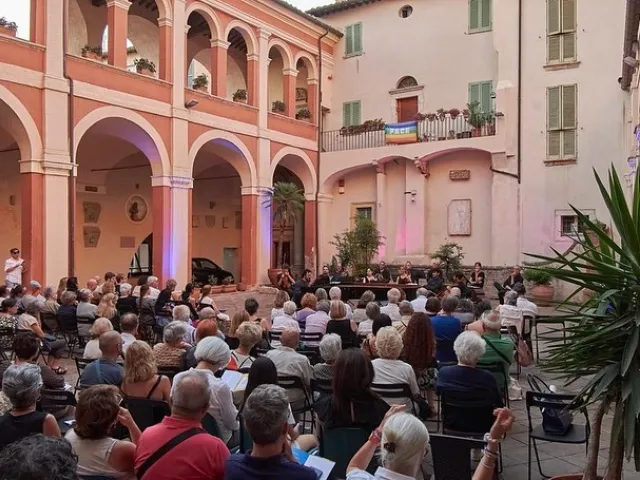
231 261
407 109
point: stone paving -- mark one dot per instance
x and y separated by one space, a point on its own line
555 458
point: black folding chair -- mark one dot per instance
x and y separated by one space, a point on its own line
340 444
169 371
6 342
394 391
147 412
550 335
577 434
274 337
69 329
312 355
310 338
295 383
50 322
449 454
322 387
498 368
262 352
210 425
81 364
51 400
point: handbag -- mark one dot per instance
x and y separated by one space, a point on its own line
555 420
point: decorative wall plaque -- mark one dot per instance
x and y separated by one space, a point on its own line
210 221
301 94
459 217
136 209
195 221
91 236
456 175
127 242
91 211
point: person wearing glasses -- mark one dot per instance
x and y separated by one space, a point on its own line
14 267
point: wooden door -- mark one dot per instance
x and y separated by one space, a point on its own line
407 109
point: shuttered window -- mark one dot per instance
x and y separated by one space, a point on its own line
481 92
480 15
562 122
561 31
351 114
353 40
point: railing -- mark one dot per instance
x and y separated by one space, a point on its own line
433 130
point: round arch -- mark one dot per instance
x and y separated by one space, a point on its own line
289 157
245 166
284 50
247 33
124 123
26 135
215 27
432 156
309 62
164 9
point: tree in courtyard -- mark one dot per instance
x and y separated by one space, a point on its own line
357 247
286 201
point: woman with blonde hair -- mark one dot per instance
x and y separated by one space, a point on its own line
278 304
107 307
238 319
340 324
141 379
92 349
249 335
62 286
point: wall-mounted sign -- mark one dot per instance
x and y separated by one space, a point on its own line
456 175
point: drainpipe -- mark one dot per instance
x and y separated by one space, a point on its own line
320 125
519 151
72 156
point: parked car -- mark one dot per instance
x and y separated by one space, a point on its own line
207 272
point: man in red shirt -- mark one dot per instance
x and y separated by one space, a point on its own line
178 447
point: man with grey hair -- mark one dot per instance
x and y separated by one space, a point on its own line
499 349
330 347
105 370
33 295
446 328
286 320
21 384
510 314
183 314
85 310
420 302
317 322
194 453
336 294
372 311
153 283
266 413
392 308
290 363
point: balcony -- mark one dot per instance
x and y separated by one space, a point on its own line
427 130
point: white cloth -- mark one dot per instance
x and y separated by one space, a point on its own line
92 350
359 315
153 293
14 276
510 316
527 307
395 371
276 312
419 304
290 363
381 474
283 322
221 407
365 327
393 310
317 322
127 339
93 456
25 321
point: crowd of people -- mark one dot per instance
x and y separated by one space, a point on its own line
143 342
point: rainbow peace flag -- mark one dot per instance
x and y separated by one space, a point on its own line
405 132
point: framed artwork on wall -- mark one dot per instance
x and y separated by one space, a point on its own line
136 209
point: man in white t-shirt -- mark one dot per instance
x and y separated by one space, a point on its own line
14 268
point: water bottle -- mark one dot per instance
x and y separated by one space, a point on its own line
553 389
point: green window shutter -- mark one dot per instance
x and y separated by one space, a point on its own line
357 38
569 94
568 16
474 15
568 46
553 108
485 14
553 17
554 48
355 113
348 40
474 93
485 96
346 114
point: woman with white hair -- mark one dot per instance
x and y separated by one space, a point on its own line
330 348
388 369
286 320
213 354
170 353
403 441
92 349
126 302
392 308
21 384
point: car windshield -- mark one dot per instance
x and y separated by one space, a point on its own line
204 263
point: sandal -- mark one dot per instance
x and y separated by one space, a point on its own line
59 370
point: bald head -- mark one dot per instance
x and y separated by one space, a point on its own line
110 344
92 283
290 338
190 395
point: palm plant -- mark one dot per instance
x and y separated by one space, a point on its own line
604 333
286 200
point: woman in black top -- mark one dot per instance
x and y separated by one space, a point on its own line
477 276
341 325
353 403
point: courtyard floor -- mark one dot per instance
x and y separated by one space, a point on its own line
555 458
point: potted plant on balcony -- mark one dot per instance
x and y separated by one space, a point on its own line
201 82
286 201
145 66
304 114
489 121
240 96
602 351
92 52
476 118
278 106
7 27
454 113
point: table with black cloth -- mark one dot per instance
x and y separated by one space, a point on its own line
354 291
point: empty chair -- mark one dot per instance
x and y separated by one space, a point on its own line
449 454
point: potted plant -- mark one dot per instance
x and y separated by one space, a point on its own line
7 27
442 114
145 66
542 290
240 96
92 52
278 106
454 112
304 114
357 247
475 118
286 201
602 334
201 82
450 256
227 286
489 121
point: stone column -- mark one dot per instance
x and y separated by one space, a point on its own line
56 219
289 85
414 210
117 20
312 96
179 55
181 188
249 246
381 204
37 21
219 68
253 70
161 261
297 248
310 216
32 225
263 78
165 48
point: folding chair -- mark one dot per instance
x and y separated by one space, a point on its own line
6 342
51 399
340 444
246 442
210 425
147 412
448 454
394 391
169 372
551 334
274 337
81 364
69 329
295 383
576 434
311 339
312 355
503 380
50 322
322 387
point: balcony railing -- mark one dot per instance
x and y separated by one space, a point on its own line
427 130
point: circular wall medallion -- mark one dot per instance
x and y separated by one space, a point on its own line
136 209
406 11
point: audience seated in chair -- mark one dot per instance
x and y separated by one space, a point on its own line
126 302
249 335
181 313
28 322
510 314
141 379
330 347
420 352
171 352
200 455
369 344
129 325
340 324
446 328
288 362
206 328
336 294
392 308
92 348
278 304
372 311
360 313
406 310
286 320
420 302
498 349
266 416
317 322
309 304
21 384
240 317
105 370
38 457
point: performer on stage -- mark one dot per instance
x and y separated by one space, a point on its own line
383 271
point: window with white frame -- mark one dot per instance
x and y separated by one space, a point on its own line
562 122
561 31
